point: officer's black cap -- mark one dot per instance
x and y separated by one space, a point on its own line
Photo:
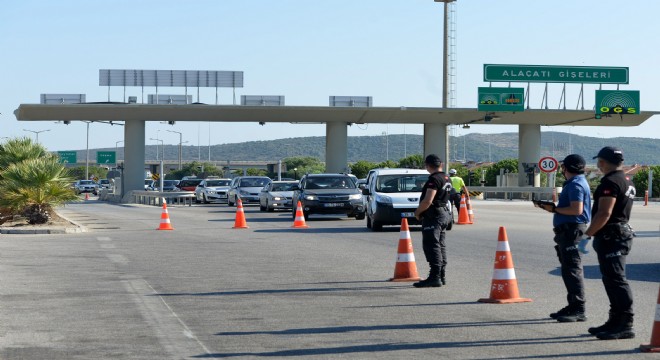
612 155
433 160
574 163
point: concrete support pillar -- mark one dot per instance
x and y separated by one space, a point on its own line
134 156
336 147
436 141
529 154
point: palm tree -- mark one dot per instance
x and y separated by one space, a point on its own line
32 181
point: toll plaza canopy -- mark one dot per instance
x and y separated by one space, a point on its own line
337 119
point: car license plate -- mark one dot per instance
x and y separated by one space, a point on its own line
407 214
333 204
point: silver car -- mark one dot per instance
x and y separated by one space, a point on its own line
247 188
212 190
277 195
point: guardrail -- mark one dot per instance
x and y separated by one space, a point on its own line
156 197
538 193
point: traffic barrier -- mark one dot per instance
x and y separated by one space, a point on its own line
646 198
299 221
463 217
165 219
468 204
654 346
504 287
406 267
240 222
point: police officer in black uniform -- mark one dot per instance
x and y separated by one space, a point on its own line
434 214
613 236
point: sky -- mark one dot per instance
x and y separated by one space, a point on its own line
309 50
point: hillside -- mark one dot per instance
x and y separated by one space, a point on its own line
475 147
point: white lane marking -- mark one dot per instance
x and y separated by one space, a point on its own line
103 238
166 323
108 246
118 259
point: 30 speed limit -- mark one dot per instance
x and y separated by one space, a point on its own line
548 164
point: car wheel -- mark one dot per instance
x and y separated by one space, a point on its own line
368 222
197 200
229 203
270 208
376 226
360 216
306 215
261 207
206 201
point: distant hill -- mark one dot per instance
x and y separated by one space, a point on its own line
475 147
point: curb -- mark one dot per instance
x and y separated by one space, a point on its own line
77 228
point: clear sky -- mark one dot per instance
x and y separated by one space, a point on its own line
308 50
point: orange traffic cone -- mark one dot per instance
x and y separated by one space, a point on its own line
86 196
405 268
165 219
468 205
463 217
240 222
654 346
299 221
504 288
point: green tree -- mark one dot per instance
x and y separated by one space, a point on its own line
415 161
361 168
641 181
33 187
19 149
388 164
509 165
195 168
78 172
256 172
303 165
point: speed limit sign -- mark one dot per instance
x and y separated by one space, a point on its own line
548 164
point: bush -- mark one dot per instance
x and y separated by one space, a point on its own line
641 181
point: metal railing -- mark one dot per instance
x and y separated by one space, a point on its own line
539 193
156 197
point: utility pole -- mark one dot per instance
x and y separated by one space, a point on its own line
180 147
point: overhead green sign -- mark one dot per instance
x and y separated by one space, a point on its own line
106 157
501 99
69 157
556 74
624 102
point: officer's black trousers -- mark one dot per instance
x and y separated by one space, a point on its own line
612 249
433 241
567 238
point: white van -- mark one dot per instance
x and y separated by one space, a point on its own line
393 194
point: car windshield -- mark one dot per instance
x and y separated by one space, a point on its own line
330 182
218 183
283 187
104 182
86 182
254 182
400 183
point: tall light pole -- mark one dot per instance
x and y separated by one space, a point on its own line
116 147
36 133
162 144
87 153
180 145
445 69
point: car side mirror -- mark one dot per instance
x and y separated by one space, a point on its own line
366 191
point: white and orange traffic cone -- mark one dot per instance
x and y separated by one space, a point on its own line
468 205
299 221
165 219
463 217
504 287
654 346
86 196
406 267
240 222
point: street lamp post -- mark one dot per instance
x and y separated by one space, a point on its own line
445 68
162 145
180 147
36 133
116 147
295 173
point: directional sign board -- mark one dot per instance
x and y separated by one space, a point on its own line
67 157
548 164
623 102
501 99
556 74
106 157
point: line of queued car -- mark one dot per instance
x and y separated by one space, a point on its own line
383 198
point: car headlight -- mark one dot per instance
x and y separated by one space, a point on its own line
384 199
277 198
311 197
243 192
355 197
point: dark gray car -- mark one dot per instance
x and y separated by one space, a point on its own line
329 194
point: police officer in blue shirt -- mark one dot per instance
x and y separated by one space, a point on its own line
572 214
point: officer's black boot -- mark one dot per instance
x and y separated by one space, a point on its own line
573 314
609 324
622 329
442 275
432 281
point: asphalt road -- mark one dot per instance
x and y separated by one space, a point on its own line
126 291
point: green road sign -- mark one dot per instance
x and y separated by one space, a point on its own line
556 74
69 157
106 157
624 102
501 99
